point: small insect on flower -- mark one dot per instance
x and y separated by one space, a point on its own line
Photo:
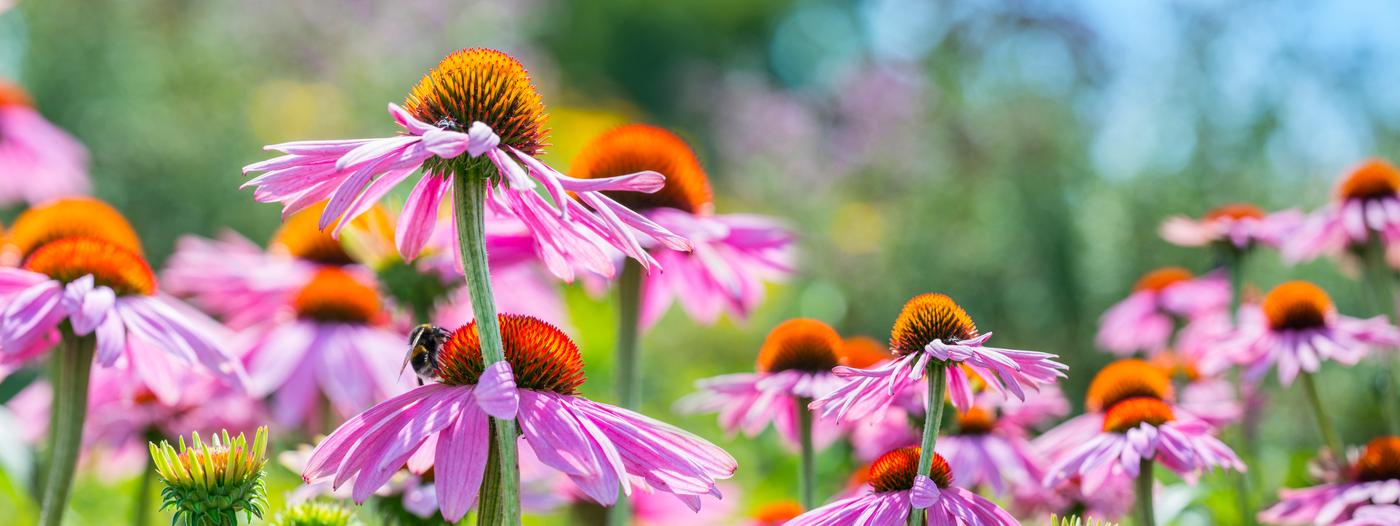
212 483
314 514
424 344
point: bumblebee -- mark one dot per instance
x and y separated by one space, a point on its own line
424 344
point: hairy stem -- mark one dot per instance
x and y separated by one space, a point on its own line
806 484
1143 489
1324 424
933 420
73 363
629 304
470 207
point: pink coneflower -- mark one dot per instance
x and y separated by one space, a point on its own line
105 290
603 449
987 453
732 255
1237 225
38 161
1144 321
794 363
331 343
896 488
1140 429
934 328
63 218
1296 328
1369 492
481 103
774 513
1366 208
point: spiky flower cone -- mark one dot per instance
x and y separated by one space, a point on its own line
314 514
210 484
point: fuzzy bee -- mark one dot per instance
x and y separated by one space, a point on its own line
424 344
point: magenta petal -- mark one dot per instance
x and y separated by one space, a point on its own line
925 492
87 306
111 340
460 464
496 392
445 144
483 139
420 214
32 314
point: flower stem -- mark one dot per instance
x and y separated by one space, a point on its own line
470 208
933 420
1234 265
1235 258
1378 282
806 484
73 363
1324 424
141 507
1143 489
629 304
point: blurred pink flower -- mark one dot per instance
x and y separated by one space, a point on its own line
933 327
603 449
794 364
1366 206
895 491
38 161
109 292
329 342
1143 322
1369 494
1296 327
443 122
1141 428
730 256
1238 225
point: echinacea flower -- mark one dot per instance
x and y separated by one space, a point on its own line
730 257
990 448
1368 492
63 218
1137 429
603 449
235 279
1236 225
101 289
794 364
1144 321
38 161
314 514
481 103
214 482
896 488
331 342
1366 208
934 327
1115 382
1297 328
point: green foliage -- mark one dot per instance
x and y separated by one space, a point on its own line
314 513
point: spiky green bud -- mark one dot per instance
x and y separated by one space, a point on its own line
1074 520
314 513
209 484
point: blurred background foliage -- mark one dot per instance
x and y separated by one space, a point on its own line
1016 155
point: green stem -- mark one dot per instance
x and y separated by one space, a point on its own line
933 420
806 484
1235 266
1378 282
470 208
141 508
629 302
491 500
73 363
1143 489
1324 424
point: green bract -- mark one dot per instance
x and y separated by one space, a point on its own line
314 514
210 484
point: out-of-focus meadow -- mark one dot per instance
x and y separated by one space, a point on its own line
1018 156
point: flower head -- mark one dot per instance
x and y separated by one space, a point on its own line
775 513
1366 206
1369 492
934 327
731 256
212 483
1144 321
443 426
477 115
1297 328
63 218
1236 225
897 487
1138 423
794 365
38 161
